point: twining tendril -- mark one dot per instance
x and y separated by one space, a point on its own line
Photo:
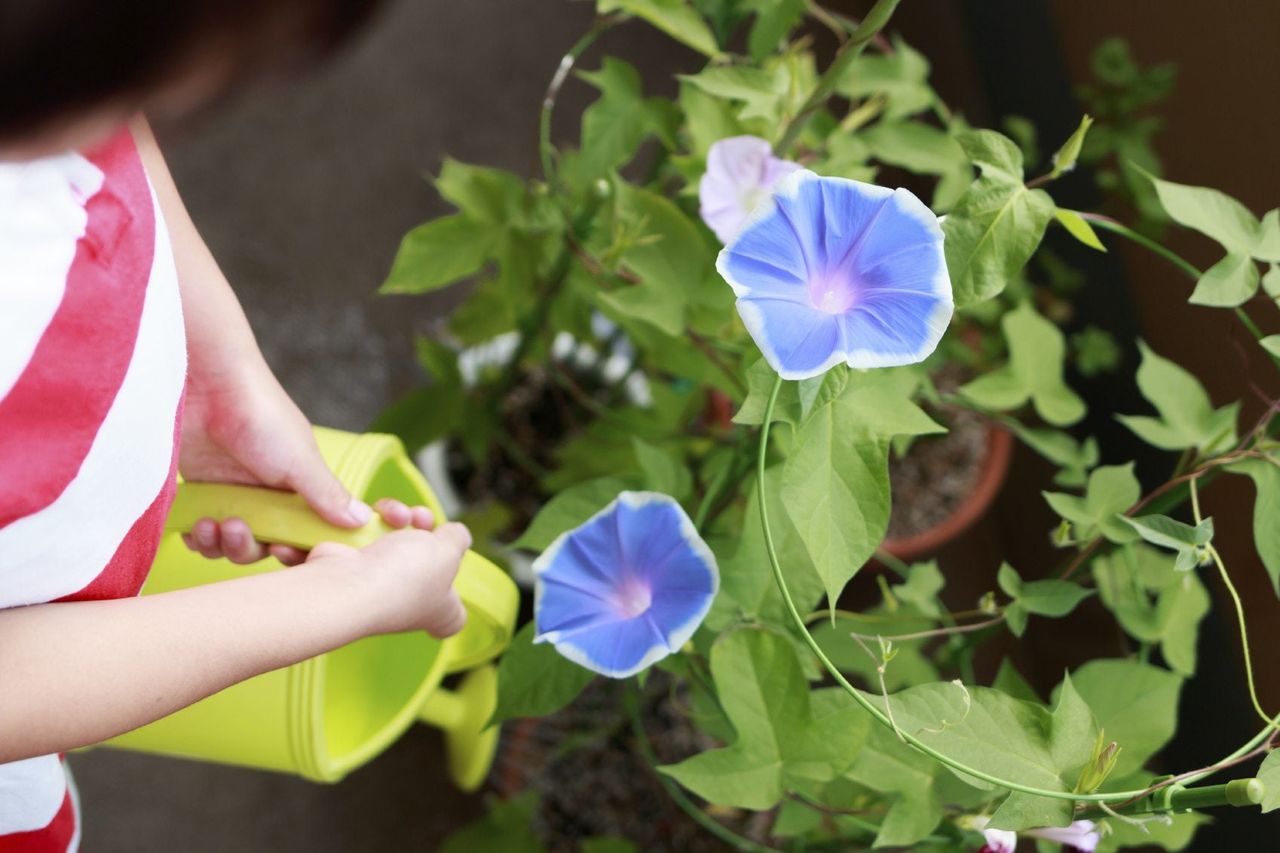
883 718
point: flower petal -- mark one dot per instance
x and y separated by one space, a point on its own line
797 340
893 328
617 650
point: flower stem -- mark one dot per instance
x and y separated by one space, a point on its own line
870 27
867 705
711 825
546 150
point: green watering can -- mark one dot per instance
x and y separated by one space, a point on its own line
324 717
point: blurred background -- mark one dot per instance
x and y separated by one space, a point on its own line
304 188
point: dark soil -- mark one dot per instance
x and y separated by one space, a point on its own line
592 780
937 474
536 417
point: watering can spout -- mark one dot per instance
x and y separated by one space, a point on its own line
463 714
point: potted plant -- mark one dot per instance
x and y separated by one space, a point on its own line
736 244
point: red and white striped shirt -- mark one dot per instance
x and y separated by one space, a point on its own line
92 372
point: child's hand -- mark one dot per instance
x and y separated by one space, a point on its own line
239 426
232 538
409 575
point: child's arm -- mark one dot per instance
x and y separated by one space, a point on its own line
239 425
73 674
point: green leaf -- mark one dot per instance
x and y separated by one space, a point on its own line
1268 246
1077 226
1271 343
916 146
878 404
1096 351
1037 354
820 390
619 121
486 314
1269 774
508 827
760 378
873 403
1230 282
439 253
1065 158
1212 213
795 818
835 488
1171 533
1112 489
1187 418
997 224
1075 458
708 119
1152 602
534 679
663 471
1265 474
667 255
746 578
901 77
1006 737
1234 279
1135 703
567 510
889 766
1052 598
996 155
760 91
674 17
924 582
485 195
775 19
780 740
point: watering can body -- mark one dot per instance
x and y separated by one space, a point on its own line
324 717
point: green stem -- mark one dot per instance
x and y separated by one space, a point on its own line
546 151
1106 223
1239 605
827 19
948 631
879 715
719 830
1244 631
866 31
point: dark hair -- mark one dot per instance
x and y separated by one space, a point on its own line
62 57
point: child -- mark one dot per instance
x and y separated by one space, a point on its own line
124 358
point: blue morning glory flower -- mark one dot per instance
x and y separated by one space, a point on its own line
627 587
833 270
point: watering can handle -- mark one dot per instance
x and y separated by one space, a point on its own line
284 517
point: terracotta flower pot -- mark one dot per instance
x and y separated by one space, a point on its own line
995 466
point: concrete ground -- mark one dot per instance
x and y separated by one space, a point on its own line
303 191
